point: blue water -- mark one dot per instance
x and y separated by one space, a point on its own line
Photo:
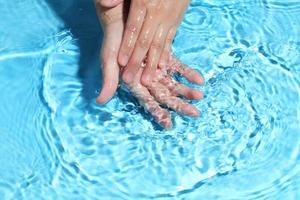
57 144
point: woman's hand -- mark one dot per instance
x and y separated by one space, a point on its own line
163 89
150 29
112 21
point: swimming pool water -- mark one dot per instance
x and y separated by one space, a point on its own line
56 143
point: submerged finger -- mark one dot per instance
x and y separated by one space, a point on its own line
164 96
110 47
180 89
110 79
160 115
190 74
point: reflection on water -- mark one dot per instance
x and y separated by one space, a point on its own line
58 144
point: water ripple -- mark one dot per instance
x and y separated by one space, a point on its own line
246 139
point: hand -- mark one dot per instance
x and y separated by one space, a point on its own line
150 29
164 90
112 22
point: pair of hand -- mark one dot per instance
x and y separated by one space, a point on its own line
149 32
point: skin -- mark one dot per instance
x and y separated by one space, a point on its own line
150 29
162 90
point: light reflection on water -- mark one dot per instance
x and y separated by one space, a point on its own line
58 144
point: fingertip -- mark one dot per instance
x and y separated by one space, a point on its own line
101 99
165 120
106 94
108 90
197 78
167 125
199 81
109 3
123 59
191 111
195 113
195 94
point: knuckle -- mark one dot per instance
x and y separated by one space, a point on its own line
134 62
131 28
143 44
156 45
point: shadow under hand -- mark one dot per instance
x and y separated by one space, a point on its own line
79 16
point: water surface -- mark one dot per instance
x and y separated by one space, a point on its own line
56 143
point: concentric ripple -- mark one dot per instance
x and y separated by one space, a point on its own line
245 145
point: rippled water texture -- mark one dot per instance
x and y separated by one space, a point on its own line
56 143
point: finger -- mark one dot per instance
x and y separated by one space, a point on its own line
110 73
160 115
190 74
133 27
164 96
164 59
140 49
109 3
111 43
154 53
181 89
108 16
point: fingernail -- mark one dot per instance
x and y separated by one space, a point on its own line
123 60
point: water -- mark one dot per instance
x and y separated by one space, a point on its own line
56 143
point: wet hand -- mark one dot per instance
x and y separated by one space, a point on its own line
150 29
164 90
111 15
161 90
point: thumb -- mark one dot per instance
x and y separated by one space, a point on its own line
110 79
111 68
111 43
109 3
